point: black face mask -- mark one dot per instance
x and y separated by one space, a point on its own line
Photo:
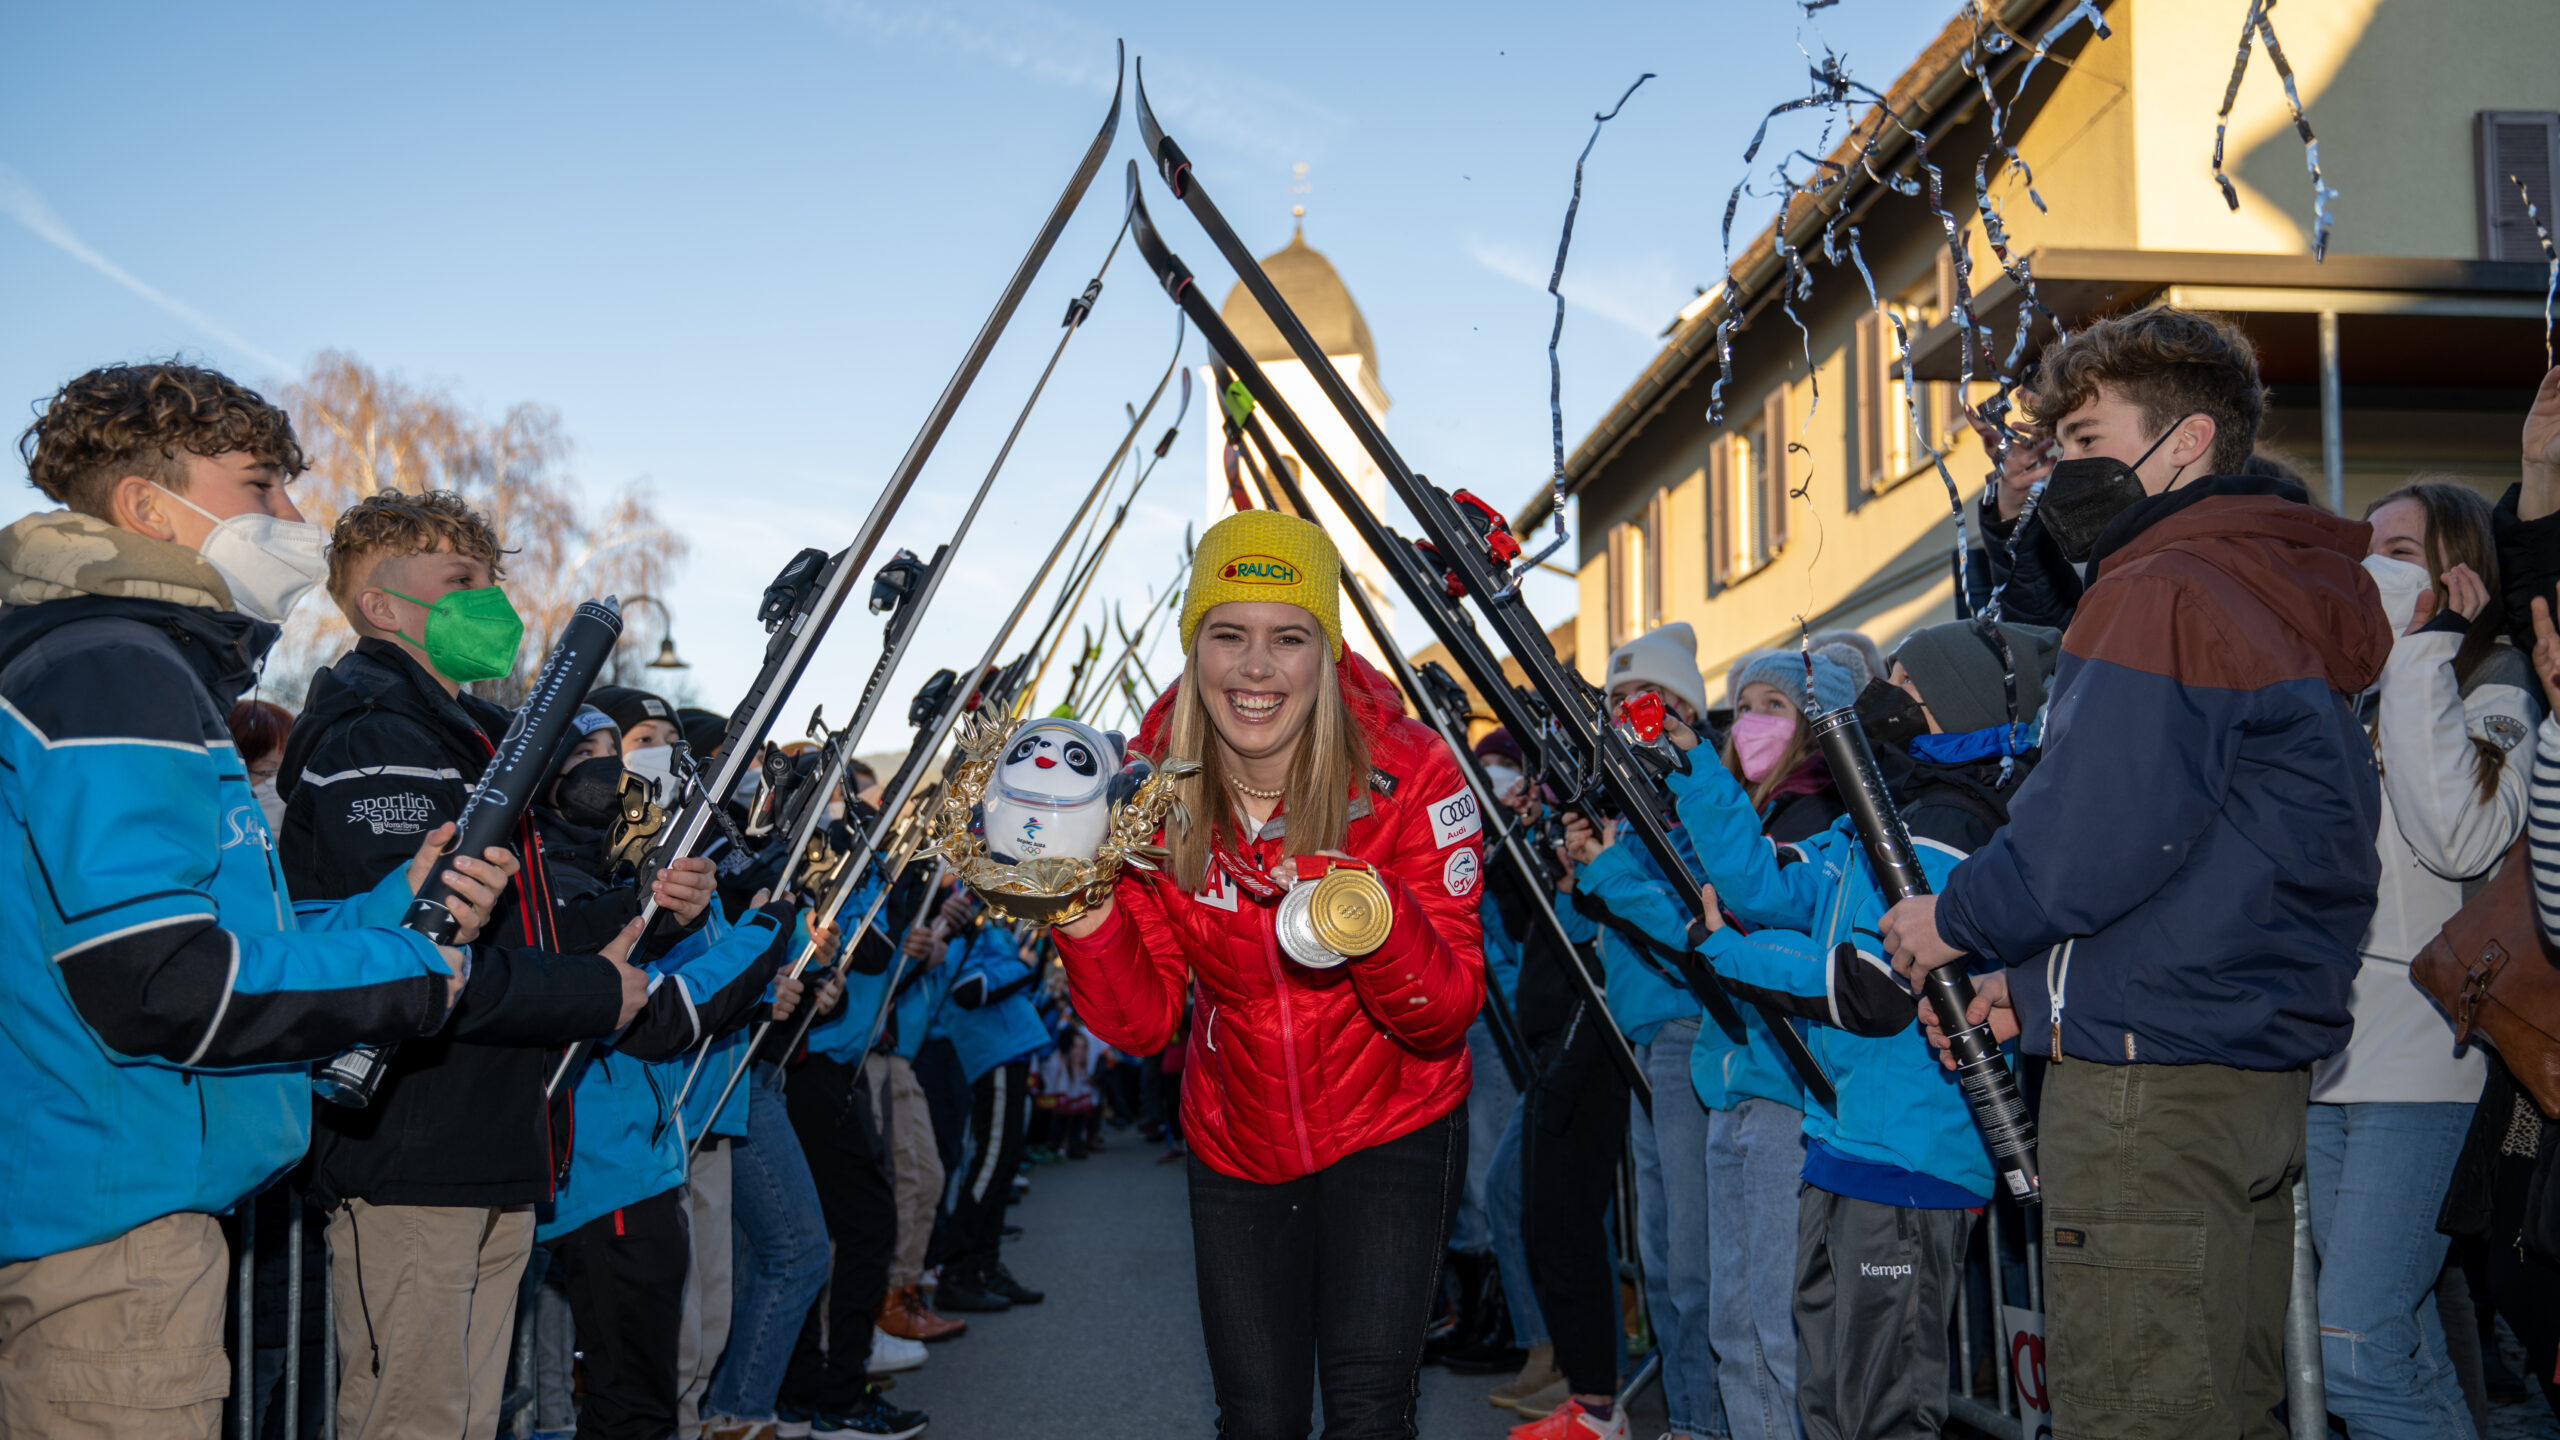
589 793
2082 496
1891 718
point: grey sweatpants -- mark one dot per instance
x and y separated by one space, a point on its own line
1875 1285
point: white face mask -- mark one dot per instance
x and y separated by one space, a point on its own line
270 804
655 764
269 563
2401 584
1503 777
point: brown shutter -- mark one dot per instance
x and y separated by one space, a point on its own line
1872 358
1613 608
2521 144
1719 509
1773 473
1654 584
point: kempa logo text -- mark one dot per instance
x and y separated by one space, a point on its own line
1874 1271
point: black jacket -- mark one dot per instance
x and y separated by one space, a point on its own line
2528 564
379 757
2041 587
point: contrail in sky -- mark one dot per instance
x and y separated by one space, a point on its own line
30 209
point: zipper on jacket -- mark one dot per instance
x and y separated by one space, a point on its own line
1288 1034
2054 981
1209 1032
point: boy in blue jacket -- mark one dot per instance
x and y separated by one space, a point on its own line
994 1024
617 1225
1892 1176
161 996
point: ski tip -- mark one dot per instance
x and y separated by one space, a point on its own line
1148 130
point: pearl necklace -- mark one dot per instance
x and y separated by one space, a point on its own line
1252 793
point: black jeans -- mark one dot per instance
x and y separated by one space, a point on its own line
624 1271
1333 1274
999 1110
1573 1124
839 1130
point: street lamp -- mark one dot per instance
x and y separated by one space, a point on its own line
667 657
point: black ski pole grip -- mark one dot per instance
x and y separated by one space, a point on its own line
1990 1090
497 805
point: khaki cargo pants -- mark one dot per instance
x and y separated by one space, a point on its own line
121 1340
2168 1246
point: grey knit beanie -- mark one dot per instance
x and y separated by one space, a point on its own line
1785 669
1958 672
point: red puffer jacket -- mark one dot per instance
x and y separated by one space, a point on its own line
1290 1069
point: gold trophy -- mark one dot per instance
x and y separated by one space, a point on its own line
1051 887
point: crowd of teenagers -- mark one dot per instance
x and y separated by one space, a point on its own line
2219 770
203 904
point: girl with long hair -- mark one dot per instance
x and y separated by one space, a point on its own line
1323 1097
2451 721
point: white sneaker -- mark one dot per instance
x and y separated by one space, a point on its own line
892 1353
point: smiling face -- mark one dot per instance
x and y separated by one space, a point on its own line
2400 531
1259 664
1028 763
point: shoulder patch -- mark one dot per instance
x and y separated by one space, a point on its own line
1454 818
2504 731
1459 875
1382 782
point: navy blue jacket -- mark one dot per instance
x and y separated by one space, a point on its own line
2186 877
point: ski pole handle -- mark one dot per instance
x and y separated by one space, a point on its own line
1990 1091
497 805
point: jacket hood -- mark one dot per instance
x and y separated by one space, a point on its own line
224 647
377 676
2305 566
56 554
1376 704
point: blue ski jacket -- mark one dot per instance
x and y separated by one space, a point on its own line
629 1144
161 997
1643 994
840 1036
989 1011
1897 1106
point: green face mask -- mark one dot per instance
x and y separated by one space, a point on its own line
470 634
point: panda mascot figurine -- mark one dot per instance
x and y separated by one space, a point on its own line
1052 792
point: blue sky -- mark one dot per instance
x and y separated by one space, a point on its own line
740 246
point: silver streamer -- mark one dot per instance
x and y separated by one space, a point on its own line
1555 280
2551 257
2259 27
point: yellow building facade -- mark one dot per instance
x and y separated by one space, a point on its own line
2414 346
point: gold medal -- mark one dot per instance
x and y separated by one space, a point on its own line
1349 911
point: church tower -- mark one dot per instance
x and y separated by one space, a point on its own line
1314 289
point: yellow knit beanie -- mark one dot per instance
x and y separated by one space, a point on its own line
1265 555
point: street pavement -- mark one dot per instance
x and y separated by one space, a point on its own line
1116 1349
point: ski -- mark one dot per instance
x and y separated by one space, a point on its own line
804 601
1599 772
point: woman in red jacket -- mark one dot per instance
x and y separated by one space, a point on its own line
1323 1103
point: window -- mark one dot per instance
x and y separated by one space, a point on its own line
1747 503
1772 511
1889 447
2524 145
1635 574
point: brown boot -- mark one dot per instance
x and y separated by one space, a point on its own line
919 1318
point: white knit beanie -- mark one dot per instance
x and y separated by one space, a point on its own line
1667 657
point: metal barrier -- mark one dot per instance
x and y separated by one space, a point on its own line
249 1410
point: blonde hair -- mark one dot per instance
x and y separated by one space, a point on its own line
1329 770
